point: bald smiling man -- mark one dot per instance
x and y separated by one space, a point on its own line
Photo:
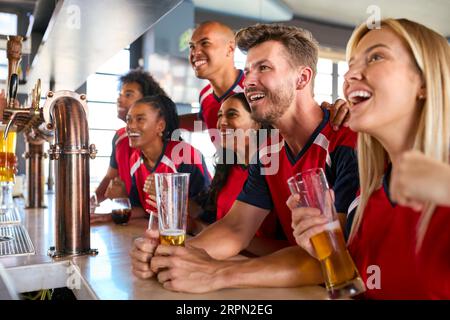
211 54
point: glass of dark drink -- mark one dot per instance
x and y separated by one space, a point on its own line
121 210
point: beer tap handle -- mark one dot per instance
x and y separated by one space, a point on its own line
12 90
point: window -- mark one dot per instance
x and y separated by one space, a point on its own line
8 26
342 69
3 65
176 77
239 59
323 84
8 23
329 80
102 91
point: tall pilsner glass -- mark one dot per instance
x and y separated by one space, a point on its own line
172 191
341 276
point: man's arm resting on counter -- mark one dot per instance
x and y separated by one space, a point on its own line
200 266
260 246
192 270
230 235
288 267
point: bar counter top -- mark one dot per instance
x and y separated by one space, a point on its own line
108 274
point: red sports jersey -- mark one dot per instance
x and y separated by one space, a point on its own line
230 191
120 157
386 239
210 103
328 149
177 156
233 186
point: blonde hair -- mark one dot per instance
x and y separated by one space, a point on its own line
431 53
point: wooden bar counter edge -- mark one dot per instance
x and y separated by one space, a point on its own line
108 275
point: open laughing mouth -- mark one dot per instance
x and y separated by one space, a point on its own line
198 63
358 97
133 135
253 97
226 132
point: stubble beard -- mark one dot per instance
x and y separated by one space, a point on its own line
279 103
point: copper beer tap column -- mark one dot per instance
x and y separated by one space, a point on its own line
66 112
34 156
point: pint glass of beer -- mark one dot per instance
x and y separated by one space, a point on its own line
172 200
341 276
7 168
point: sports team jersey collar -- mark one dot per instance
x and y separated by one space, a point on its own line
386 179
219 99
157 162
293 159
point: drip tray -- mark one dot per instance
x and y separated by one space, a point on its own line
11 216
14 240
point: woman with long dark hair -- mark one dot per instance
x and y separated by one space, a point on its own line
240 138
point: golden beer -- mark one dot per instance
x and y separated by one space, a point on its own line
341 276
337 266
172 237
172 190
7 157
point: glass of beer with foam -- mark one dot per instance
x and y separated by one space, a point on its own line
340 274
172 191
7 168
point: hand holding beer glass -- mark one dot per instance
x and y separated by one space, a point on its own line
172 201
341 276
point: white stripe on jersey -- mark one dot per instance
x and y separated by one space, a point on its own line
322 141
121 137
136 166
273 148
354 204
169 163
207 93
238 89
